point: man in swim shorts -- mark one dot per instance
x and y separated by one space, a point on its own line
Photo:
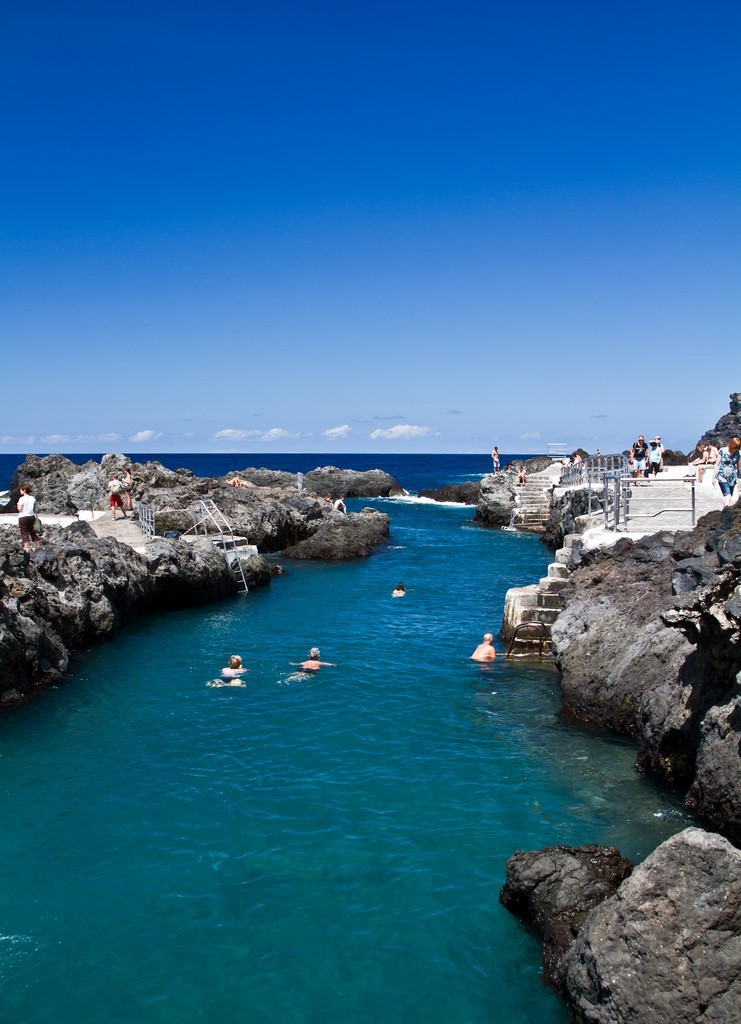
485 650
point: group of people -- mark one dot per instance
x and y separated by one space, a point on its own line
338 504
231 674
646 457
120 490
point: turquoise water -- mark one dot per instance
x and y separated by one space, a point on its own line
321 850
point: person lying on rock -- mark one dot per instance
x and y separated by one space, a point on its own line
485 650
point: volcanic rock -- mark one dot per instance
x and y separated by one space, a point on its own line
666 948
555 889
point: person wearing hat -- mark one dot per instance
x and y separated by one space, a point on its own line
655 456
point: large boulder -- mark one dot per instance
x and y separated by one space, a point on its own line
497 500
666 948
351 483
465 494
344 536
555 889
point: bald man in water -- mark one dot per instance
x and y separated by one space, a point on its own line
485 651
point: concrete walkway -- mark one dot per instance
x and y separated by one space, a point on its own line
660 503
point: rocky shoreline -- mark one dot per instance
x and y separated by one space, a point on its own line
649 645
81 588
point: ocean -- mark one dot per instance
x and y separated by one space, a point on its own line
302 850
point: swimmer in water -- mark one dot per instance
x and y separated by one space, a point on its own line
230 675
312 663
399 590
485 650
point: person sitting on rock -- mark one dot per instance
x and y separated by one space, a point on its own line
521 476
237 481
339 506
485 650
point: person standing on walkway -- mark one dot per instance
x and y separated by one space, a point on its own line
115 487
27 517
726 469
639 451
655 455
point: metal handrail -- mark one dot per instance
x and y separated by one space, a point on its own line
592 470
146 516
691 508
540 631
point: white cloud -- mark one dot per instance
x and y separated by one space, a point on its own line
335 433
532 435
401 432
145 435
55 438
230 434
277 434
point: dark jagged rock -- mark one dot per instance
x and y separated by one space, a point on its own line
555 889
344 536
497 499
271 511
465 493
351 483
728 426
80 589
665 948
674 458
564 511
650 645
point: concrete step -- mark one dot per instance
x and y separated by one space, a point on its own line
546 600
557 571
545 615
551 585
562 556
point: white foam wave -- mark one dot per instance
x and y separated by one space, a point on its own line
415 499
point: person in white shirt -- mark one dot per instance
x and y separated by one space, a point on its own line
27 517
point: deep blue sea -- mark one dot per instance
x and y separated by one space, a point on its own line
326 850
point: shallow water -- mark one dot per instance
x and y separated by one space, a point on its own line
327 849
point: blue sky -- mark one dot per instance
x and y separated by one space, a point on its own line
367 226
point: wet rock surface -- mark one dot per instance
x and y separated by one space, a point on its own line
466 494
650 645
555 889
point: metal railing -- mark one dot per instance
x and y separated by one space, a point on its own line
618 495
209 521
146 519
592 470
530 632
